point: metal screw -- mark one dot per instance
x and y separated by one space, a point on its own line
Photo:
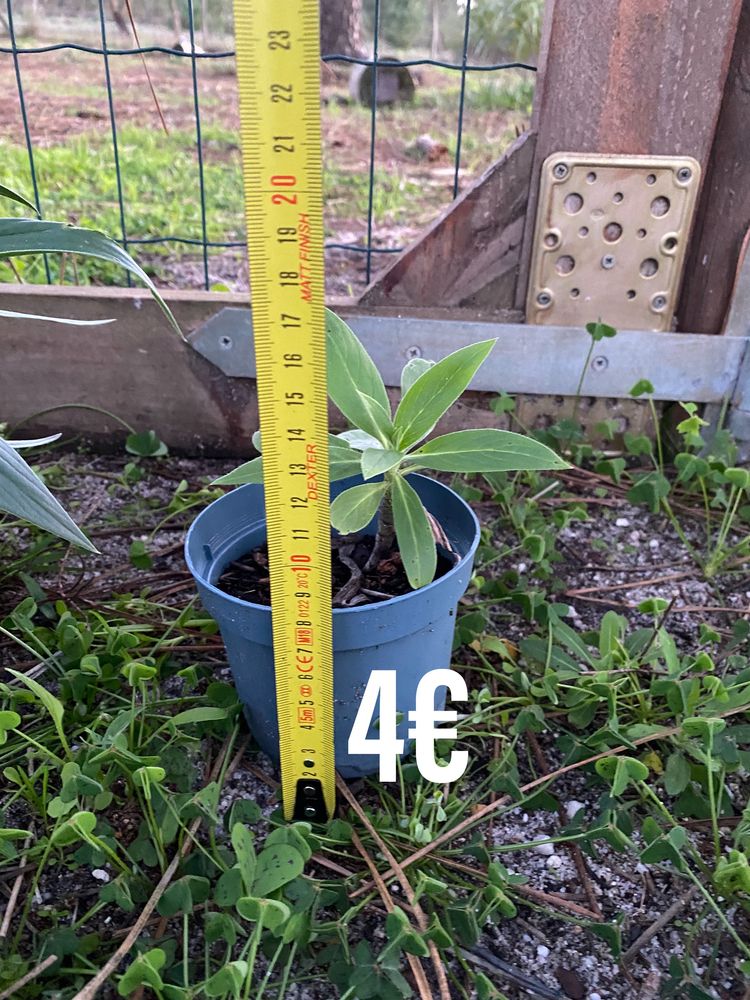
414 352
599 363
560 170
226 342
543 298
684 174
659 301
608 261
309 791
311 812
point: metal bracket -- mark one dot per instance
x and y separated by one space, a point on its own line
529 359
610 239
541 359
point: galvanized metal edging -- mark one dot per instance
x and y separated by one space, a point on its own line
543 360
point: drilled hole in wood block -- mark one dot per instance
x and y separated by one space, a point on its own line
660 206
565 264
612 232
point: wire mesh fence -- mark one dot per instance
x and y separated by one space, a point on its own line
207 233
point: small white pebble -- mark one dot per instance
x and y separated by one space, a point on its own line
641 869
622 522
654 543
522 567
595 996
100 874
542 952
572 807
545 849
554 861
525 818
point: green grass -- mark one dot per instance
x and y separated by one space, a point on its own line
159 185
506 90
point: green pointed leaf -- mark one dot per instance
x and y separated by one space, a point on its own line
435 390
360 440
248 472
412 371
204 713
486 450
20 237
24 495
33 442
353 509
376 461
53 705
374 419
343 461
6 192
416 542
351 371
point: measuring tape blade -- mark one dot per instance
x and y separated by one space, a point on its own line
278 73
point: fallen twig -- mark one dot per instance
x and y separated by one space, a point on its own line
633 585
29 977
661 921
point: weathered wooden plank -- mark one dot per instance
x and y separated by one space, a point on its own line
629 76
723 215
469 256
136 368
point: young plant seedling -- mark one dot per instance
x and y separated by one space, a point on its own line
385 448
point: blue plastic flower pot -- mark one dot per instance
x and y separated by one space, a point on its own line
411 634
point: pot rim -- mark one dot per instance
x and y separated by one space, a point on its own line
360 608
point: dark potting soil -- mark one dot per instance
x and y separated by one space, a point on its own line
248 577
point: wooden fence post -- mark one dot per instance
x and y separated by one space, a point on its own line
724 209
629 76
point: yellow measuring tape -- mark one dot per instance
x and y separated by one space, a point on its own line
278 72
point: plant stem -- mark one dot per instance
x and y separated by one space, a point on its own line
657 434
385 536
